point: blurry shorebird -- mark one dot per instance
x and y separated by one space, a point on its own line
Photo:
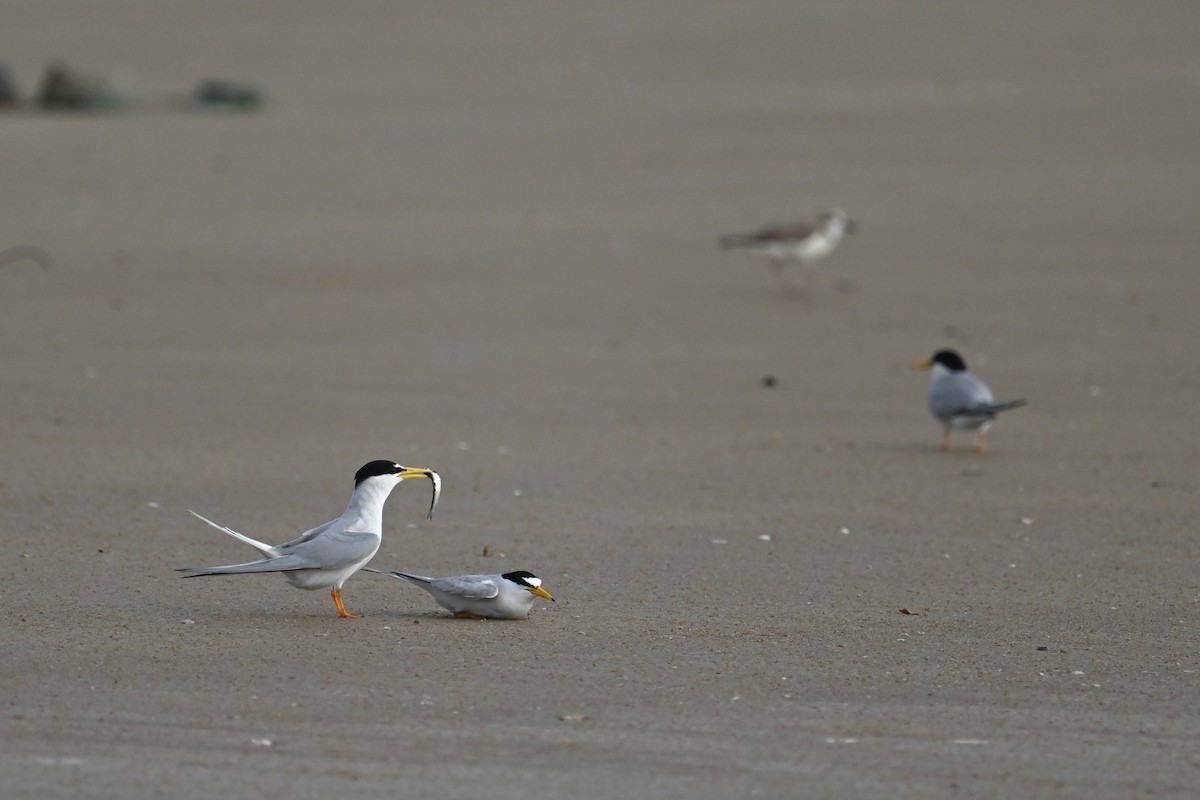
326 556
507 596
21 252
802 242
958 399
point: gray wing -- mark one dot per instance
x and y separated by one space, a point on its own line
795 230
473 587
309 535
325 548
768 233
996 408
328 552
961 394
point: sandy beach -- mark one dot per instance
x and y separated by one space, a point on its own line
482 239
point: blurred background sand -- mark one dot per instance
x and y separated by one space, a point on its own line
481 238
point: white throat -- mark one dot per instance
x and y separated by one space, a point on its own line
834 229
939 371
365 511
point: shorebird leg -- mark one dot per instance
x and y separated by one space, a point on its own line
981 442
945 441
336 594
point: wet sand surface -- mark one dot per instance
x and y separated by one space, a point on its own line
481 239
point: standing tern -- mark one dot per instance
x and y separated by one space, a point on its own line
803 242
507 596
326 556
958 399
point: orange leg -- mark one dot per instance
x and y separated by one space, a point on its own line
981 442
337 601
946 441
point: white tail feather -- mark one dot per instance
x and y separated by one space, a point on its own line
265 549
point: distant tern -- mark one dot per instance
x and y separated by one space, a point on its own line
803 242
507 596
958 399
326 556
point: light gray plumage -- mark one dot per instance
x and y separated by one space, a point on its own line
960 400
326 556
507 596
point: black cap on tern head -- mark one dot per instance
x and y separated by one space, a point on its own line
376 468
522 577
949 359
528 581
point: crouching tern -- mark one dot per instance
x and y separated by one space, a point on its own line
958 399
803 242
507 596
326 556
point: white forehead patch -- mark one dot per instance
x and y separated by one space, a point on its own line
534 582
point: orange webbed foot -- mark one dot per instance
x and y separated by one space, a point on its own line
336 594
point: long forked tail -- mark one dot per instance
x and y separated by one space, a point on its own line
265 549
